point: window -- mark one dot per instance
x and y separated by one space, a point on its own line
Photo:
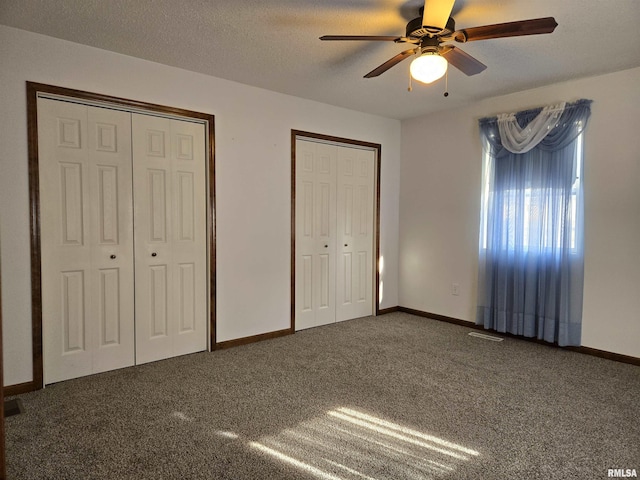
539 208
530 259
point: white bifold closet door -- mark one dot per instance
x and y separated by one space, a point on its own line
334 233
123 238
170 240
354 230
316 238
86 239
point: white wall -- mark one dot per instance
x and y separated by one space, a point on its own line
253 171
439 206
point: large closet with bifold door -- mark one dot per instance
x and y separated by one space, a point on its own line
334 232
123 225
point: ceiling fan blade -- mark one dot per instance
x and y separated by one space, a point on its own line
381 38
535 26
390 63
436 13
463 61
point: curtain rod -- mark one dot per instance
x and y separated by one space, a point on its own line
555 108
536 110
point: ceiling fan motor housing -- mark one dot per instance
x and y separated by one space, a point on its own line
416 30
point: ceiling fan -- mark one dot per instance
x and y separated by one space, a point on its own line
429 33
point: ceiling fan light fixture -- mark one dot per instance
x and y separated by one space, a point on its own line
428 67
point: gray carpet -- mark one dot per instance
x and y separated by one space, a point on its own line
392 397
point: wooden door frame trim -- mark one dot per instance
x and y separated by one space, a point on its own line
2 432
377 147
33 89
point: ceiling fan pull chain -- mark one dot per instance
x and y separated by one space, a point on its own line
410 89
446 83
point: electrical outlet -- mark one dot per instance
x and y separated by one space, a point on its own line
455 289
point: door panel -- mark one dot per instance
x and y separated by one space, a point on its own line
186 210
73 318
108 307
111 237
86 239
187 288
189 209
158 302
170 218
315 234
157 206
72 220
324 300
107 205
355 193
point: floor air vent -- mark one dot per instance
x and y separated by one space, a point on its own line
486 337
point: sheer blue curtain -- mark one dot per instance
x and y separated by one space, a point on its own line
531 241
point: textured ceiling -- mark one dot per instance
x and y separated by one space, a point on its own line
274 44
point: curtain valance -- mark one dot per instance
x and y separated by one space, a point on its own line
549 128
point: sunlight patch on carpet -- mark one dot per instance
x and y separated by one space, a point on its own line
346 444
182 416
